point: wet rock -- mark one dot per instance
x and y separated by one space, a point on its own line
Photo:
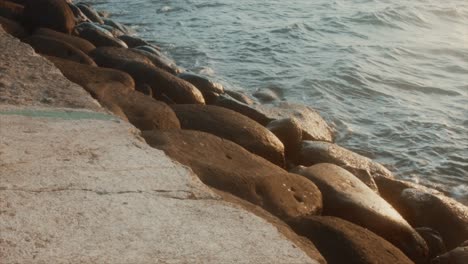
11 10
160 62
233 126
210 90
268 95
55 47
90 13
53 14
116 25
79 43
12 27
114 31
289 132
114 90
226 166
345 196
228 102
79 15
144 73
456 256
314 152
98 36
151 49
425 207
340 242
133 42
434 241
240 96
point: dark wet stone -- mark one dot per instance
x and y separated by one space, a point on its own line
289 132
54 47
10 10
53 14
434 241
12 27
226 166
233 126
90 13
425 207
160 62
114 31
314 152
342 242
79 43
116 25
345 196
456 256
79 15
268 95
98 36
210 90
240 96
133 42
228 102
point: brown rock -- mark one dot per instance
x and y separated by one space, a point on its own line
114 90
55 47
133 41
114 57
345 196
98 36
233 126
289 132
79 16
240 96
268 95
158 61
79 43
228 102
90 13
456 256
314 152
54 14
11 10
425 207
342 242
434 241
226 166
210 90
12 27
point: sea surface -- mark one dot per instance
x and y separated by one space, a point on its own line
391 76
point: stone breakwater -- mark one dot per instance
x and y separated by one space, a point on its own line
275 160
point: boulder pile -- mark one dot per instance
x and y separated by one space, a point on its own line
278 156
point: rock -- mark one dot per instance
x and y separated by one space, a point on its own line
144 73
12 27
226 166
11 10
210 90
340 242
114 90
79 16
55 47
456 256
240 96
289 132
116 25
434 241
314 152
114 31
151 49
79 43
268 95
132 41
232 126
345 196
98 36
425 207
90 13
159 62
228 102
53 14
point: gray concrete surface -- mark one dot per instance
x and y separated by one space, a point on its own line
80 186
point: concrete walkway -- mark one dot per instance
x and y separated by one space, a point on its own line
78 185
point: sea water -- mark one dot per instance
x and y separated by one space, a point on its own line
391 76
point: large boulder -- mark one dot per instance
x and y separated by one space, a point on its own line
233 126
90 13
457 256
314 152
240 96
158 61
11 10
345 196
133 41
289 132
79 43
55 47
227 166
12 27
425 207
80 17
98 36
54 14
146 74
434 241
340 242
210 90
115 90
229 102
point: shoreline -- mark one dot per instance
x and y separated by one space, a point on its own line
251 154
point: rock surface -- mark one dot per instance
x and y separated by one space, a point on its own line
342 242
424 207
233 126
456 256
111 198
345 196
78 43
228 167
289 132
98 36
54 14
210 90
314 152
